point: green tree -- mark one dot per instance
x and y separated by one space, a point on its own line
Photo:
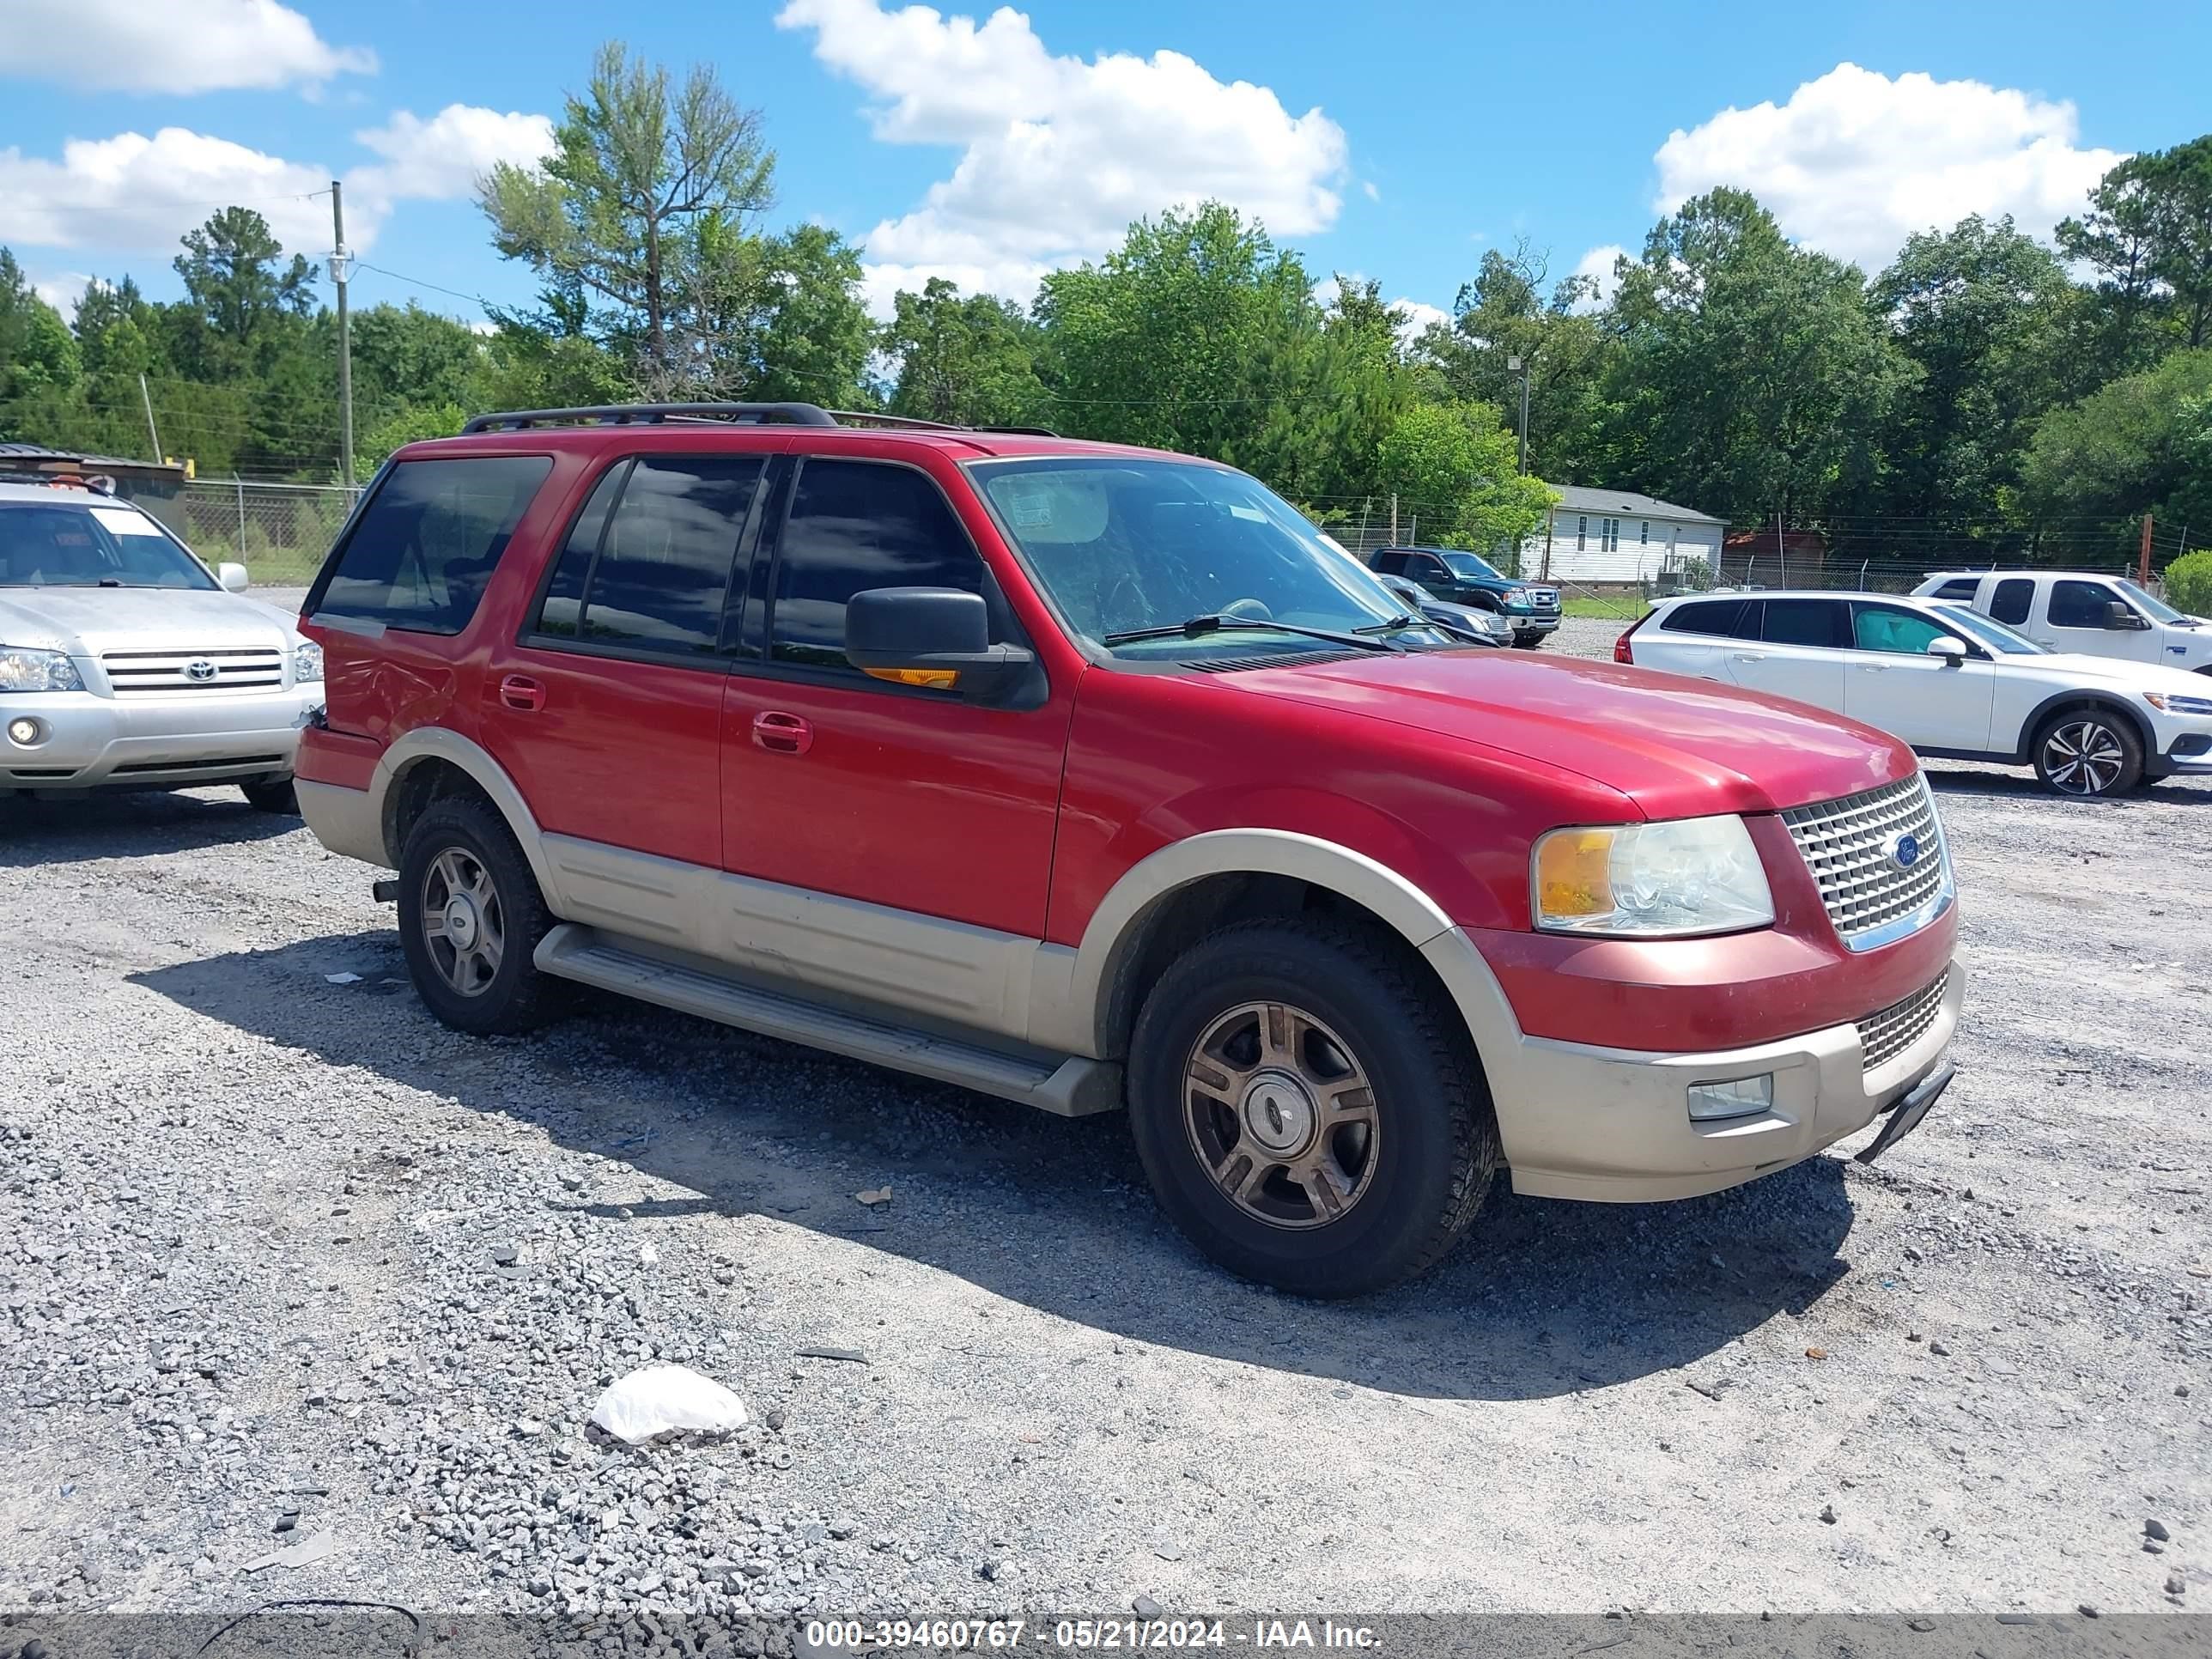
406 426
1183 338
244 303
1752 376
971 360
1457 462
405 356
814 334
1978 310
2141 444
2116 239
2180 180
1505 312
646 204
2189 583
37 352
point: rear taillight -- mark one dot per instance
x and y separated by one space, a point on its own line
1621 652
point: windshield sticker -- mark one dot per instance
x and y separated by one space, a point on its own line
126 521
1253 513
1028 505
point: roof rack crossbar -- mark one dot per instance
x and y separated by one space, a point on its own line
653 413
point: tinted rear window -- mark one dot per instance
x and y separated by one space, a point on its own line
1963 588
422 550
1723 617
1803 622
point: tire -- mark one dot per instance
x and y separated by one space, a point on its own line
1408 1178
271 795
1527 641
463 848
2088 753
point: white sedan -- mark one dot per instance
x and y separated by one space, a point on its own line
1949 681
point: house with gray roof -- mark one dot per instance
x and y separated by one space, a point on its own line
1608 536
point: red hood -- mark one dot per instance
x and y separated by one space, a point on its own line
1678 747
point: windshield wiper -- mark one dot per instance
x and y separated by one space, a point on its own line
1201 625
1395 624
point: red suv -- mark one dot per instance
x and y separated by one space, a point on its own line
1092 776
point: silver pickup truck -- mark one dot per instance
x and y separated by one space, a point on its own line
125 663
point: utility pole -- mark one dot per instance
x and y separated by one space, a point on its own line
2142 562
1521 366
338 258
152 431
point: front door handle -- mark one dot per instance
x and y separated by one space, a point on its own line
520 691
780 733
1748 656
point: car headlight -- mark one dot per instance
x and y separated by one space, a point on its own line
26 668
306 662
1650 880
2167 702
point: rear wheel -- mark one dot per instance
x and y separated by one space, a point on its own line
1306 1110
2087 752
271 795
471 918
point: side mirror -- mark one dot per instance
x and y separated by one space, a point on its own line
2123 615
231 576
936 637
1950 647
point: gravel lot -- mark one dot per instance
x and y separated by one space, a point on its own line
271 1243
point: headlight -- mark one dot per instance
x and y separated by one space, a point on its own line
306 662
1651 880
2168 703
23 669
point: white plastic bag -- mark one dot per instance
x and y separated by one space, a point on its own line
664 1399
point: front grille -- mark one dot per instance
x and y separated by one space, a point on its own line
1851 846
1885 1035
232 669
1544 598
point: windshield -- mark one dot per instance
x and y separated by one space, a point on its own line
1124 545
1994 634
65 544
2158 608
1473 570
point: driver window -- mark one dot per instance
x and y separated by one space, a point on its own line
2080 604
1905 633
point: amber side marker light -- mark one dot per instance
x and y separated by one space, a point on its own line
934 679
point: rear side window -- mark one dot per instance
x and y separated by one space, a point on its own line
423 550
1963 588
2080 604
1722 617
1803 622
2013 598
853 525
648 563
1390 563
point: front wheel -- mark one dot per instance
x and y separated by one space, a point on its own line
1308 1109
471 918
1527 641
2088 753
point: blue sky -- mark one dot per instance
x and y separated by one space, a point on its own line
1394 140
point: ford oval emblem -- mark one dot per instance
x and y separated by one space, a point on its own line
1906 851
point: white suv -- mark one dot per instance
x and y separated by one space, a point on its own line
127 664
1949 681
2081 611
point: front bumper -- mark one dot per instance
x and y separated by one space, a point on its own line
1582 1121
2186 756
86 741
1536 624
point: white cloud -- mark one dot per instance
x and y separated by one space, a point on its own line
1059 154
61 289
174 46
1854 162
1418 317
132 193
440 158
1598 265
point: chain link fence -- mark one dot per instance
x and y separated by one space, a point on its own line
278 532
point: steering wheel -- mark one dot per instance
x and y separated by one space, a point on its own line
1247 610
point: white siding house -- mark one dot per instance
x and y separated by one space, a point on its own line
1616 536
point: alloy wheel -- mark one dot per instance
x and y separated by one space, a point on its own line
463 922
2083 757
1282 1115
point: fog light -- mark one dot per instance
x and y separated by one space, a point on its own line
1742 1096
25 731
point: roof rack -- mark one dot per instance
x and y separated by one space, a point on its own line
653 414
730 414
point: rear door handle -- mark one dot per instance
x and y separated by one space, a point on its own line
780 733
520 691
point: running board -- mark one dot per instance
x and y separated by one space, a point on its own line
1073 1088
